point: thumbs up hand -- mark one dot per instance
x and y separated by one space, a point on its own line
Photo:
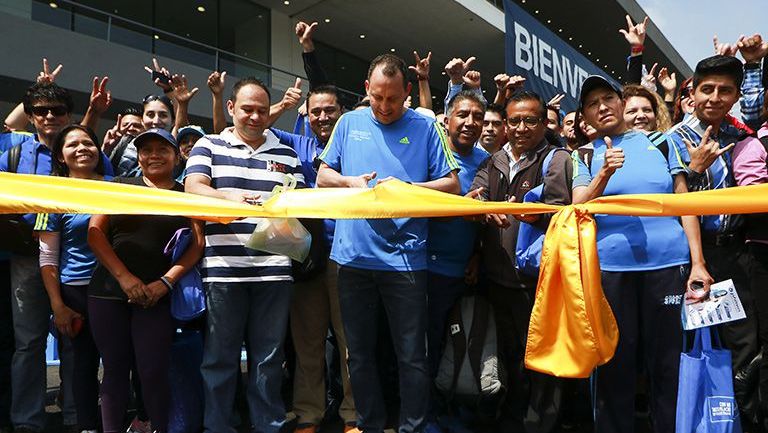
292 96
614 158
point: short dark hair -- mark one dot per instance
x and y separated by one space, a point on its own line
496 108
365 102
557 115
131 111
47 92
245 82
719 65
462 96
527 95
390 64
325 89
59 168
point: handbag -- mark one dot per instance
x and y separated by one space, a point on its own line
187 297
705 399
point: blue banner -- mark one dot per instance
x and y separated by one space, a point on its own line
548 63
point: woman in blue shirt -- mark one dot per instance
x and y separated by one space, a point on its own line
66 264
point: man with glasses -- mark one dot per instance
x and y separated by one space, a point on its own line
507 176
49 108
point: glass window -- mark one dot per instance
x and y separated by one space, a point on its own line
58 15
244 29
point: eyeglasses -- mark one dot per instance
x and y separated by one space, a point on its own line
530 121
686 92
56 110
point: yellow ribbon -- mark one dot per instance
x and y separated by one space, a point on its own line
572 328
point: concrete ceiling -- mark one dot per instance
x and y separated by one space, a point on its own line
449 29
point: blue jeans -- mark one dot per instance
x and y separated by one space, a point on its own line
404 297
260 312
31 315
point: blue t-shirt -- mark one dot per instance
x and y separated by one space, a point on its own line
308 149
76 260
35 158
451 240
411 149
632 243
12 138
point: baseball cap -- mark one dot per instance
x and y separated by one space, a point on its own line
190 130
164 135
595 82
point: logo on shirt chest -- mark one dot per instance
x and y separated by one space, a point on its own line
358 135
277 167
525 185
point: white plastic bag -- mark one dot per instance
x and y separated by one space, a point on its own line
283 236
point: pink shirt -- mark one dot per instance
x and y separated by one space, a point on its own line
749 162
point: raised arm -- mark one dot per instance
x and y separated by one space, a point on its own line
98 103
421 70
315 72
290 100
182 95
216 85
614 160
635 36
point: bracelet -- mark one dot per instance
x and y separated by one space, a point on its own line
167 283
636 49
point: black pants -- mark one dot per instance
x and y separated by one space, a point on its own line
740 337
647 306
6 343
533 399
85 381
758 278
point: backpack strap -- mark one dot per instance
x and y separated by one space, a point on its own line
586 156
14 158
459 340
659 140
477 338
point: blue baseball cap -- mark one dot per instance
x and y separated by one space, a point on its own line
190 130
595 82
162 134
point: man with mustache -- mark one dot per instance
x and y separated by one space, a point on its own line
507 176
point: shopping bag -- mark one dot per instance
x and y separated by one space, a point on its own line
705 399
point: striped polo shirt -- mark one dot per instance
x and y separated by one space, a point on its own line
235 166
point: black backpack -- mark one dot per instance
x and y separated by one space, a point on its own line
16 235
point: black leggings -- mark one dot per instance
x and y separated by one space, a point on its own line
122 330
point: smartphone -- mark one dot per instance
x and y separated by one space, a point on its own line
164 79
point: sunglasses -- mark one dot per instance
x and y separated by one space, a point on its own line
530 121
56 110
686 92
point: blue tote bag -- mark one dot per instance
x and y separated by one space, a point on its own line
705 400
187 297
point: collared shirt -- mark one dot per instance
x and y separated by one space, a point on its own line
514 165
719 174
412 149
752 95
234 166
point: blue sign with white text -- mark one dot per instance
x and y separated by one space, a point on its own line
549 65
